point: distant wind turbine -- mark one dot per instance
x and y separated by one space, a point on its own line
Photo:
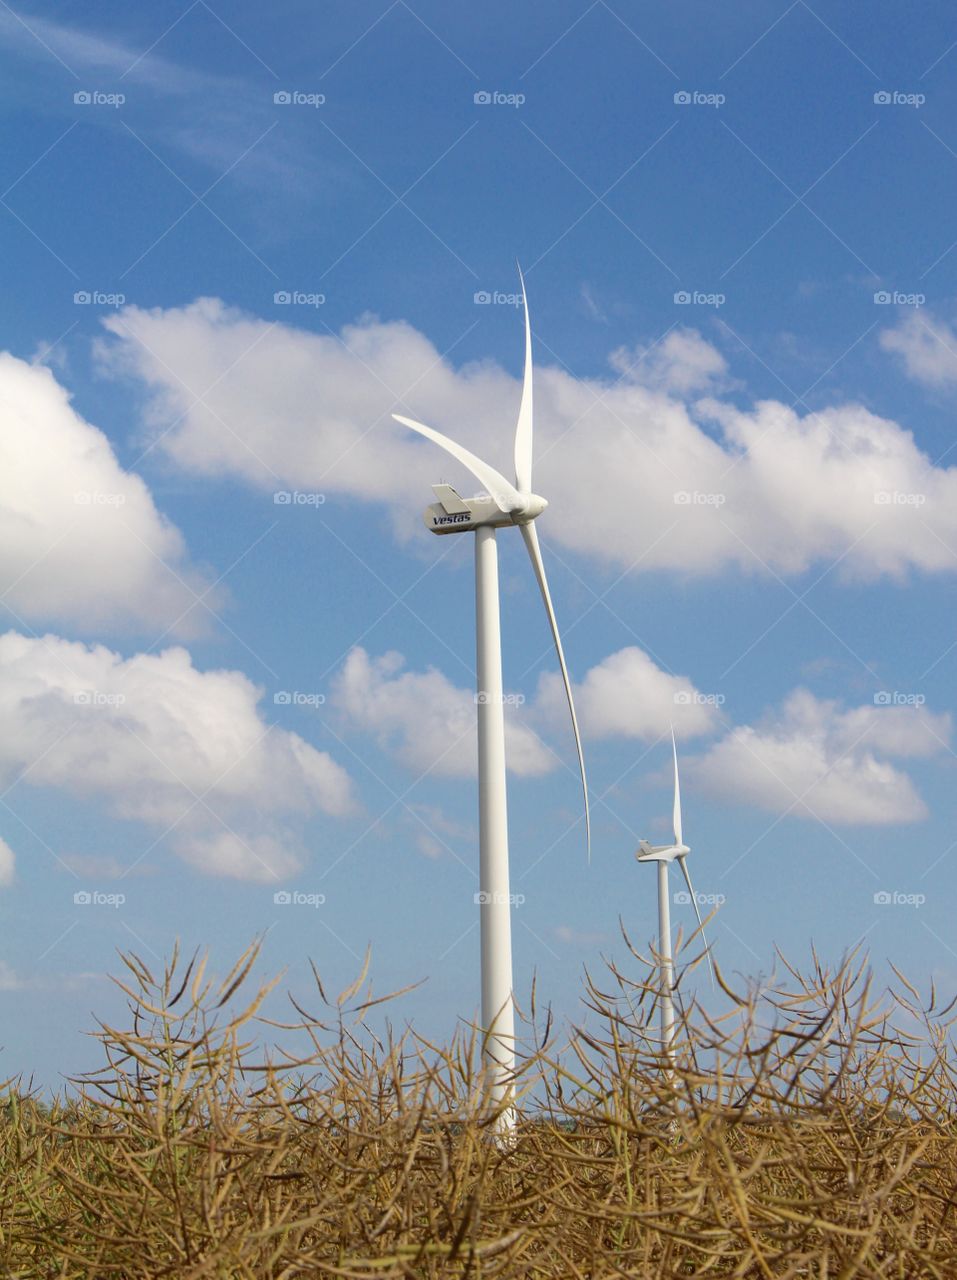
664 855
500 507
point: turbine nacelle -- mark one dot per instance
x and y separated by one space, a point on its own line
660 852
455 514
678 852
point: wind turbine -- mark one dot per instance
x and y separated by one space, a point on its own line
664 855
501 506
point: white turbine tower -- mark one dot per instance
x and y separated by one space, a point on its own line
664 855
500 507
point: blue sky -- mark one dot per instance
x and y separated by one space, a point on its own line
737 233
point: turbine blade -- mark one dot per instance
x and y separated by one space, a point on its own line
687 875
530 535
677 810
523 429
505 496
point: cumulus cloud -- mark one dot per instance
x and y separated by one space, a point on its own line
816 759
81 540
683 362
927 346
428 722
627 695
164 743
646 474
425 720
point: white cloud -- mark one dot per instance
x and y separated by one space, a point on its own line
642 479
927 346
81 540
428 723
252 857
818 760
164 743
425 720
213 118
7 864
627 695
104 865
682 363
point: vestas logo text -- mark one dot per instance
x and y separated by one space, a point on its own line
460 517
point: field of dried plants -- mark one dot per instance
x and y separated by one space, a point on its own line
808 1132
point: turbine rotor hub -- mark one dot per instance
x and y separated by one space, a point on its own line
532 507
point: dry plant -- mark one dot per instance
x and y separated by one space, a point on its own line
808 1131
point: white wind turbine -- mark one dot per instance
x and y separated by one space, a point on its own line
664 855
500 507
